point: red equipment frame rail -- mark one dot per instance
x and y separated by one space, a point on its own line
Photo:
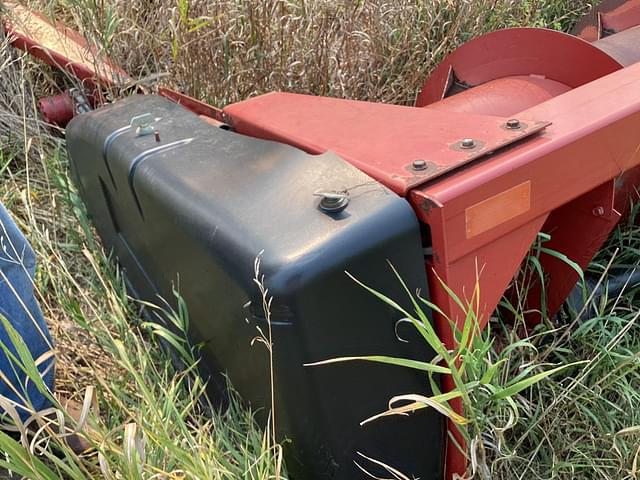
572 181
520 131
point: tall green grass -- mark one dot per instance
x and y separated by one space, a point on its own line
484 389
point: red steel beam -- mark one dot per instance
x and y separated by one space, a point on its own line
59 46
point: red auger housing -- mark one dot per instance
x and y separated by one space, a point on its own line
517 132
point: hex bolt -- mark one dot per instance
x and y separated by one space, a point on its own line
513 124
468 143
598 211
419 165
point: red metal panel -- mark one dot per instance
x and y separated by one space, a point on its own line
60 46
589 218
494 266
590 141
611 15
382 140
520 51
193 104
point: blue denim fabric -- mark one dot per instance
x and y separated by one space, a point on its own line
20 308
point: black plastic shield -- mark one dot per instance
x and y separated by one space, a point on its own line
193 206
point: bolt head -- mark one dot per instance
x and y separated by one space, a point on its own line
468 143
598 211
513 124
333 202
419 165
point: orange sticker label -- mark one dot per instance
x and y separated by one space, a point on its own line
498 209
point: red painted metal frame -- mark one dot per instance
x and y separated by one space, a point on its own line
571 169
193 104
380 139
60 47
588 144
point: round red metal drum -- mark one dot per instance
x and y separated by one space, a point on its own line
503 97
514 52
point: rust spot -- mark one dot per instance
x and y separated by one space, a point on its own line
428 205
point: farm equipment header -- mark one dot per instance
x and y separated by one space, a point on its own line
517 132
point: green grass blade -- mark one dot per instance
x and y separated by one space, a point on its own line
401 362
517 387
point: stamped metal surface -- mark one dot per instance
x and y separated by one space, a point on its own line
382 140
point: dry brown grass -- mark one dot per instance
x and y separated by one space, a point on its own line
227 50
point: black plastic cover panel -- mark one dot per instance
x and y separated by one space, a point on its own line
193 206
